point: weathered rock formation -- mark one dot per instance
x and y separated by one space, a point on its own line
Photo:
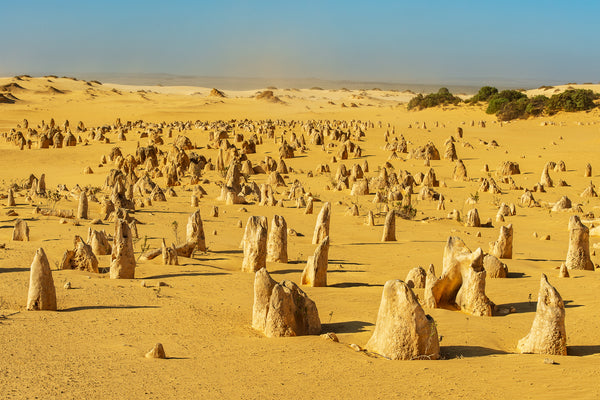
315 272
389 228
578 256
547 334
42 293
82 208
169 254
282 309
122 264
277 241
416 277
254 244
195 231
462 282
322 225
20 231
82 258
494 267
502 248
473 218
403 331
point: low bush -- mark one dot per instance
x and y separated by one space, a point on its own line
442 97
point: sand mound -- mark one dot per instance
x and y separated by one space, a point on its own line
7 98
12 88
216 93
268 96
51 90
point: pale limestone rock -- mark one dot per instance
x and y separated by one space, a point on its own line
169 254
20 231
578 256
494 267
195 231
309 206
370 219
42 293
502 248
403 331
277 241
545 179
157 352
588 171
460 267
563 204
563 271
254 244
315 272
82 208
389 228
322 225
460 171
122 264
471 296
99 242
547 334
473 218
10 201
360 187
416 277
82 259
282 309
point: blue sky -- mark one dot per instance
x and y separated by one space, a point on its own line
395 41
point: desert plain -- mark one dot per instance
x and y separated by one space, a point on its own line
94 345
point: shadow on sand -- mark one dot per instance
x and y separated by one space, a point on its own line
581 351
346 327
82 308
450 352
353 284
180 274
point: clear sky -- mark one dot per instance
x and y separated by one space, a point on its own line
396 41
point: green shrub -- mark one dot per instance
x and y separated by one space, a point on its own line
499 101
537 105
496 105
513 110
442 97
511 95
571 100
484 94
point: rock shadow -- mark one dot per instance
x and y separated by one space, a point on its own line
14 269
346 327
450 352
512 275
82 308
286 271
531 306
581 351
353 284
179 274
239 251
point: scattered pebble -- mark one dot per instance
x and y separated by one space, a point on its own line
330 336
355 347
157 352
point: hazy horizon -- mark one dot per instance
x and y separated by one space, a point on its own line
256 83
513 44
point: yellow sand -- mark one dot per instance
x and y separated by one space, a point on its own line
94 346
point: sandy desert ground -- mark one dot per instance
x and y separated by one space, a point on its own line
94 345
